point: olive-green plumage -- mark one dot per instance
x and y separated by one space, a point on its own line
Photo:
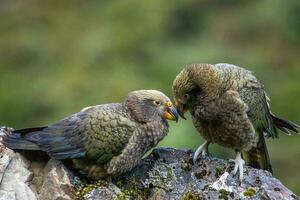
103 140
229 107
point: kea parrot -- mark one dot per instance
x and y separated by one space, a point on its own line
229 106
103 140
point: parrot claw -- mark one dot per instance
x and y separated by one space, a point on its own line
239 166
202 149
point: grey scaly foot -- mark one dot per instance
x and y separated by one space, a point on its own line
203 149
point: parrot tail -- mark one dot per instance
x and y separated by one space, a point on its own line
285 125
17 139
258 157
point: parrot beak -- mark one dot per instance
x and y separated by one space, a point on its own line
181 109
170 112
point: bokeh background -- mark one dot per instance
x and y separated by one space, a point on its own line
57 57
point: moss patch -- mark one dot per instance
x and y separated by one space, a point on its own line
220 170
132 191
249 192
191 196
87 188
223 194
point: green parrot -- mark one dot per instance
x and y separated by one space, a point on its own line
229 106
103 140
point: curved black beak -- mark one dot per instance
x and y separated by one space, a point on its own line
181 109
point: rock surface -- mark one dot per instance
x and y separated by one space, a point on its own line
166 173
15 176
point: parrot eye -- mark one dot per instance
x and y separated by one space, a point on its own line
157 102
186 96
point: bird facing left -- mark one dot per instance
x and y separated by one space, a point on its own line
103 140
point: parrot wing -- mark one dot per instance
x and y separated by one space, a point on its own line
94 133
260 116
259 111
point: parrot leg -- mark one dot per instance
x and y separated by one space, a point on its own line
203 149
239 165
131 155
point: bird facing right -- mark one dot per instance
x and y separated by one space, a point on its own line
104 140
229 107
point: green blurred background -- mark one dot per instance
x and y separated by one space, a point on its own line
57 57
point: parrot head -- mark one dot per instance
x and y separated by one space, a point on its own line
196 83
147 105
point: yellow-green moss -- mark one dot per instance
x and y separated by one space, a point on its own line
132 191
249 192
87 188
133 194
220 170
191 196
122 196
223 194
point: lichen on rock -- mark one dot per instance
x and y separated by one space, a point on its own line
166 173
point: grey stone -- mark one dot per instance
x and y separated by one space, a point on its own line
32 178
109 191
56 183
159 194
7 195
167 173
15 175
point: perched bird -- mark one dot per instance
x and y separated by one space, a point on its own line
229 107
103 140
